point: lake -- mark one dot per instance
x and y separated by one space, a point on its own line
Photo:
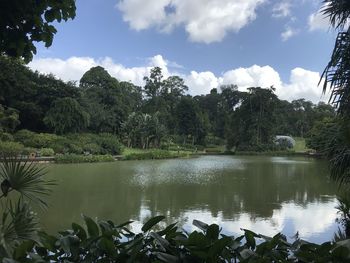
264 194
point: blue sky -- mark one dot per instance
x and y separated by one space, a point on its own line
207 42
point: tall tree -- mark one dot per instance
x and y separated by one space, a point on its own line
154 82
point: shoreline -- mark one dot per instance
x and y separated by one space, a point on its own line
172 155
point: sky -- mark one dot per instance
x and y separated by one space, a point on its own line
209 43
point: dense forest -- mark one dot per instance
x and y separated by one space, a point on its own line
160 113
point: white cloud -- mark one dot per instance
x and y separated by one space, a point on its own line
205 21
302 83
318 21
254 76
282 9
288 33
202 82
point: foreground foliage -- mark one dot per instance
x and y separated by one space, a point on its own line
105 241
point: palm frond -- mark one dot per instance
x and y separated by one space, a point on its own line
337 73
25 178
19 223
338 12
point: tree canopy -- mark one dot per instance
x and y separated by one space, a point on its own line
23 22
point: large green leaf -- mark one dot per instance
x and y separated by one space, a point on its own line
152 222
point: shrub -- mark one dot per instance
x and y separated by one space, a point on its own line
109 143
74 148
154 154
28 150
47 152
61 145
4 136
11 148
36 140
92 148
76 158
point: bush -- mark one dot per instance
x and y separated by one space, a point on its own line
154 154
11 148
36 140
76 158
47 152
109 143
74 148
61 145
4 136
92 148
29 150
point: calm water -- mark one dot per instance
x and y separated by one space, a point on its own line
264 194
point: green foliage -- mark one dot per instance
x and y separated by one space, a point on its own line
104 143
66 115
320 134
18 225
4 136
104 241
143 130
9 119
11 148
24 22
154 154
25 178
253 123
76 158
35 140
47 152
109 143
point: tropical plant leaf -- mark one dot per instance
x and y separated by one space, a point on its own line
25 178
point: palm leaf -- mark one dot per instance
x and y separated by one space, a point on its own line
338 12
25 178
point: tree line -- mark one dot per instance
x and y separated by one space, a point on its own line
159 112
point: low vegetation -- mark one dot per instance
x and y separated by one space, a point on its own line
76 158
153 154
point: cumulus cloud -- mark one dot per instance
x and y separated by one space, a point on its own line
318 21
302 83
282 9
254 76
288 33
205 21
73 68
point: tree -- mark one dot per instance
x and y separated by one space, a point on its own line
9 119
66 115
253 124
23 22
337 79
154 82
143 130
189 121
97 77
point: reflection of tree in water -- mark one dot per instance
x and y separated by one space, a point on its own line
257 190
253 185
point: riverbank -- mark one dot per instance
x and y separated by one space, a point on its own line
154 154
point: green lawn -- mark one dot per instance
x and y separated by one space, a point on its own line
300 145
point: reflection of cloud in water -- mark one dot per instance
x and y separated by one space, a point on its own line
190 171
315 222
286 160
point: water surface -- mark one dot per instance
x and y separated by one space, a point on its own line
264 194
